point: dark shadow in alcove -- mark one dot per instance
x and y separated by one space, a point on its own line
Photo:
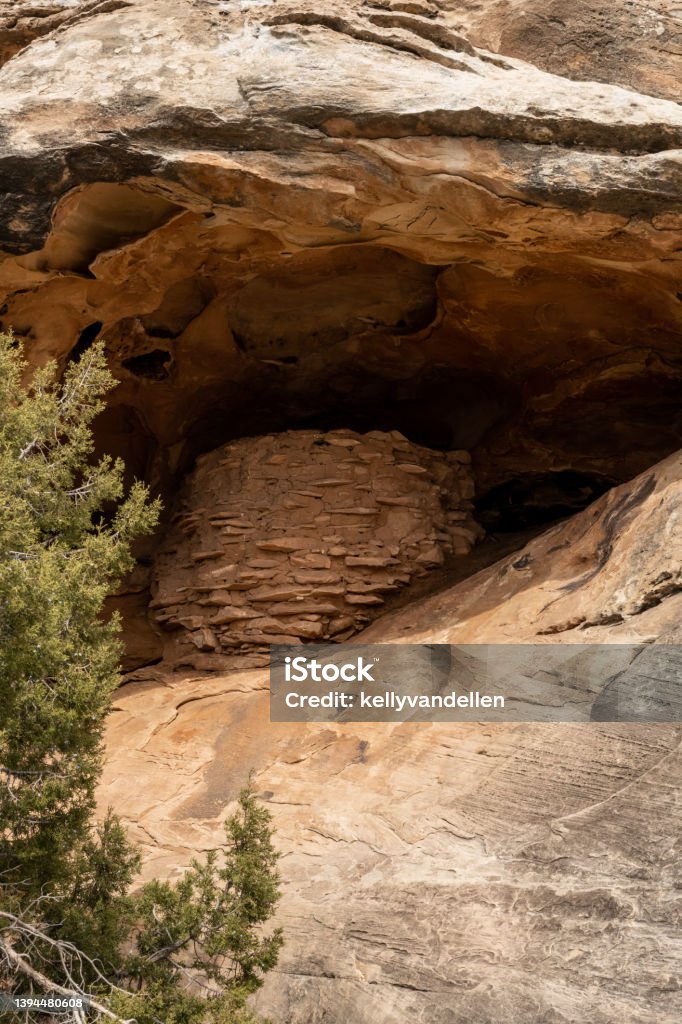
538 499
150 365
441 408
121 433
86 338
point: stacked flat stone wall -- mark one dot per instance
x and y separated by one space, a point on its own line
302 536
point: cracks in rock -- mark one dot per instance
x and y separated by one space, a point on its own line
127 680
283 803
402 984
475 837
429 30
154 841
363 33
347 842
556 825
306 757
666 585
333 977
524 128
507 197
35 23
651 599
612 523
534 126
193 699
578 622
220 693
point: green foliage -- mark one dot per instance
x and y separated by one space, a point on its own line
96 914
188 952
59 558
200 950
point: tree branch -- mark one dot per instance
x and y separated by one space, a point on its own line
46 985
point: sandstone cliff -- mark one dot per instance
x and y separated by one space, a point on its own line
452 222
460 873
275 215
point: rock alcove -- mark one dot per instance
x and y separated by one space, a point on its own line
459 221
549 372
448 243
559 374
549 364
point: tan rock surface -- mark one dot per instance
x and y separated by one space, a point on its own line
22 21
635 45
461 874
612 574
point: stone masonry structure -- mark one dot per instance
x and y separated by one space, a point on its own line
301 536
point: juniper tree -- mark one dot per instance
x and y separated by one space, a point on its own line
65 535
200 950
187 952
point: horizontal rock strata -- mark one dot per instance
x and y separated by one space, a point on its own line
301 536
459 219
275 215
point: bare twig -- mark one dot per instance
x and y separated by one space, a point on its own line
20 964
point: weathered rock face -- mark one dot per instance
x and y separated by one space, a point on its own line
279 217
300 536
467 874
457 219
612 574
22 21
608 41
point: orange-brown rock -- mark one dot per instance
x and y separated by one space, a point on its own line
456 219
474 874
278 216
300 536
597 40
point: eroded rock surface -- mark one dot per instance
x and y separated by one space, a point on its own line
636 45
280 216
611 574
300 536
22 21
463 874
459 220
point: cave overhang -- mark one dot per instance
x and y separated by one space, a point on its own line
446 242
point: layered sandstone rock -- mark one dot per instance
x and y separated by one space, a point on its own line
300 536
635 45
612 574
459 219
468 874
280 216
22 21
